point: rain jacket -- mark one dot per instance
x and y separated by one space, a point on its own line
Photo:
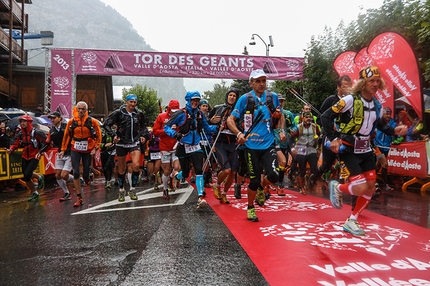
81 133
25 140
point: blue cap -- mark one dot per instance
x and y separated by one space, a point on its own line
131 97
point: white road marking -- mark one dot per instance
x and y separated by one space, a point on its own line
184 194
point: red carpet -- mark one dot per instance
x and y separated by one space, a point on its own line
299 241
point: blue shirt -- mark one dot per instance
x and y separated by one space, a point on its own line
261 136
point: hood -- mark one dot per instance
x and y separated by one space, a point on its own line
231 90
191 95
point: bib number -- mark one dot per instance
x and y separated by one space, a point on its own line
362 145
192 148
301 150
81 145
156 156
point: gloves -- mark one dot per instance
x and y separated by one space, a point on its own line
178 136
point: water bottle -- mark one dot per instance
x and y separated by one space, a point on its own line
341 147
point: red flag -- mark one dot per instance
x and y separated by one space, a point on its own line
344 65
397 63
385 97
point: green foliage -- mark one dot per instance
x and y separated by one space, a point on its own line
217 96
147 100
242 85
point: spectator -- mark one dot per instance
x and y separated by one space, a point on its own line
39 110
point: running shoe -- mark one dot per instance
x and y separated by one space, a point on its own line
388 188
34 197
351 226
303 190
193 180
108 185
224 199
121 197
260 198
79 202
335 194
217 192
132 194
166 194
280 191
40 182
251 215
201 203
66 197
237 191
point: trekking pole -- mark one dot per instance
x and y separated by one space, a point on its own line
257 120
297 95
224 118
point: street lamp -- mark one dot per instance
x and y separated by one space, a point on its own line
252 43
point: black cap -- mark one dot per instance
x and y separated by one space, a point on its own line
54 114
40 104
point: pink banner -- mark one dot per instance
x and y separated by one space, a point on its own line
61 81
385 97
344 65
157 64
397 62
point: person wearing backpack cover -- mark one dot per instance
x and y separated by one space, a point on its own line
34 143
190 123
83 137
258 137
358 156
131 133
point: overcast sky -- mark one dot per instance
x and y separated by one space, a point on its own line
225 26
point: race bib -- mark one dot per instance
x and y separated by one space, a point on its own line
301 150
155 156
362 145
192 148
81 145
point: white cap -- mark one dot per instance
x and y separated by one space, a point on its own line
257 73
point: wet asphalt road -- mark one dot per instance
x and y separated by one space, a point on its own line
148 242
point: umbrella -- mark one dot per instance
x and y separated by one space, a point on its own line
14 122
4 117
404 100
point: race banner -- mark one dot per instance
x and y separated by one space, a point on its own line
162 64
408 159
386 96
61 81
344 65
397 62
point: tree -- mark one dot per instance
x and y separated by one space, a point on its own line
217 96
147 100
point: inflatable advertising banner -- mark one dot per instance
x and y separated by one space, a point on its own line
344 65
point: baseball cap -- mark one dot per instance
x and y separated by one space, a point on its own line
281 97
173 105
54 114
257 73
40 104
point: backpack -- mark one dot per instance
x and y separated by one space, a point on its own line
251 106
188 123
33 141
354 123
88 124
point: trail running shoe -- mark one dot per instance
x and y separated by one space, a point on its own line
303 190
166 194
193 180
108 185
132 194
34 197
251 215
79 202
217 192
280 191
224 199
388 188
335 194
260 198
66 197
201 203
40 182
237 191
121 197
351 226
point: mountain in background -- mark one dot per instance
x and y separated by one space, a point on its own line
91 24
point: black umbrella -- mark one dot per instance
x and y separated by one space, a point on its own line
4 117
